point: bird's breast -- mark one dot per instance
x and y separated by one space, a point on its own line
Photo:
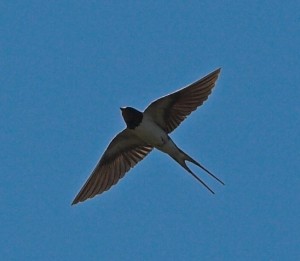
151 133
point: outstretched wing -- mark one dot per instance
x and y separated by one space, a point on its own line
123 153
169 111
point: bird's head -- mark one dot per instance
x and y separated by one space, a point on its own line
131 116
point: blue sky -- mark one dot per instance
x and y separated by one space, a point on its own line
67 67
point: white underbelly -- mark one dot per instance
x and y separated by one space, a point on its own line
154 135
151 133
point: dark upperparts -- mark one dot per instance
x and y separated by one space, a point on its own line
132 117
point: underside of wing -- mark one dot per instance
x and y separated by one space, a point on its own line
123 153
169 111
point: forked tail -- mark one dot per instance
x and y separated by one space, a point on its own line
181 160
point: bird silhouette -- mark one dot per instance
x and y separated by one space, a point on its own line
145 131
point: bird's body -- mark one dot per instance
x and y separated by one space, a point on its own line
145 131
151 133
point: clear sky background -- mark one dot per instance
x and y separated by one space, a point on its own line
67 67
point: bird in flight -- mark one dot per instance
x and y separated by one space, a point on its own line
145 131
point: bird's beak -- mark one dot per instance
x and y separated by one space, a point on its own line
122 108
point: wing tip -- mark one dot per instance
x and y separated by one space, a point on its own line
75 201
217 71
80 197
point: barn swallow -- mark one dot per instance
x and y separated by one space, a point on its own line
145 131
